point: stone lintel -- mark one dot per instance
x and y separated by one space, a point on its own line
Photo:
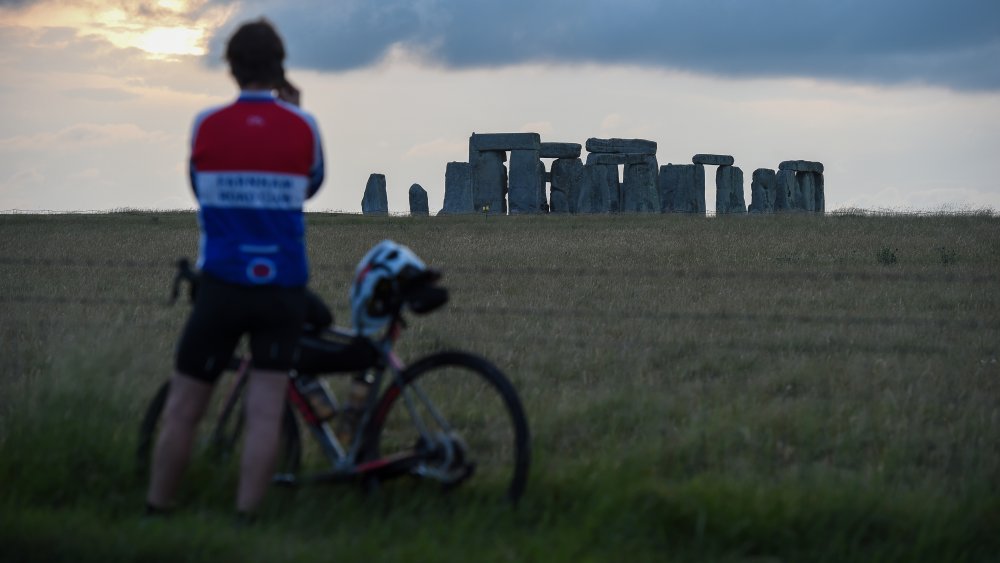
615 159
801 166
634 146
713 159
505 141
560 150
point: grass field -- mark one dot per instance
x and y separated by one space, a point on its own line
773 388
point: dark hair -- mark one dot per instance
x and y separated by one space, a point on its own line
256 54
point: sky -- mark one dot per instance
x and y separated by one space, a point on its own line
900 99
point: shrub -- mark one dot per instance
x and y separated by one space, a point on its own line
948 255
887 255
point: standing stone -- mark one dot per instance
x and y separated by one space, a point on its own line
671 185
729 190
786 190
458 189
806 200
375 200
612 161
567 182
605 179
762 191
418 201
526 182
713 159
593 196
634 146
489 181
820 192
639 189
682 188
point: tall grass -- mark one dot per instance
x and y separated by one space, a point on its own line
733 388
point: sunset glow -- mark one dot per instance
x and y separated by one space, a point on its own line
172 41
163 33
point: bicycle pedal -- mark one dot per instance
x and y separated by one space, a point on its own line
284 480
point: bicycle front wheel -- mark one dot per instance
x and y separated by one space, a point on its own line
460 419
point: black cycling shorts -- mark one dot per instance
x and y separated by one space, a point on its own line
272 316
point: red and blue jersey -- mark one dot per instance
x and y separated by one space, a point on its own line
253 165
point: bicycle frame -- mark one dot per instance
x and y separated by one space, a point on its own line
436 452
344 462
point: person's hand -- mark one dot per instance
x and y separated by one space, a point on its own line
289 93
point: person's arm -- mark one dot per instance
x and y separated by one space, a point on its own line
192 171
289 93
318 171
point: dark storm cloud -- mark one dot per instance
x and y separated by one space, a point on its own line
954 44
16 3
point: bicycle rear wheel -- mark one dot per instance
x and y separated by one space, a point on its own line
218 435
457 417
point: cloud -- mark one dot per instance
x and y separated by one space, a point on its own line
952 44
15 4
23 178
100 94
82 135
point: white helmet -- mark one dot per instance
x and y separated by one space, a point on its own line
375 291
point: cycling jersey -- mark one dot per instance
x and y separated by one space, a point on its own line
253 164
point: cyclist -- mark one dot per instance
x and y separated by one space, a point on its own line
253 163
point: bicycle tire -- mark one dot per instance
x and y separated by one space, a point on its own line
457 381
219 434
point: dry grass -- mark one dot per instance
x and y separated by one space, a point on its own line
763 352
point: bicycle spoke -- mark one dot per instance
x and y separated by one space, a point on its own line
462 418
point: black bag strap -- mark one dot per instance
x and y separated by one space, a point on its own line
185 273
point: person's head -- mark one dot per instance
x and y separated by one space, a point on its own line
256 55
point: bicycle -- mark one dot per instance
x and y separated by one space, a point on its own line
428 419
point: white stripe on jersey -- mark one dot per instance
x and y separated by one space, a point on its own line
252 190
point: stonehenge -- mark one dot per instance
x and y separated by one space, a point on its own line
506 174
617 176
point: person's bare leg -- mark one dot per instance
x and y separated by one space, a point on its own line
186 403
265 404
